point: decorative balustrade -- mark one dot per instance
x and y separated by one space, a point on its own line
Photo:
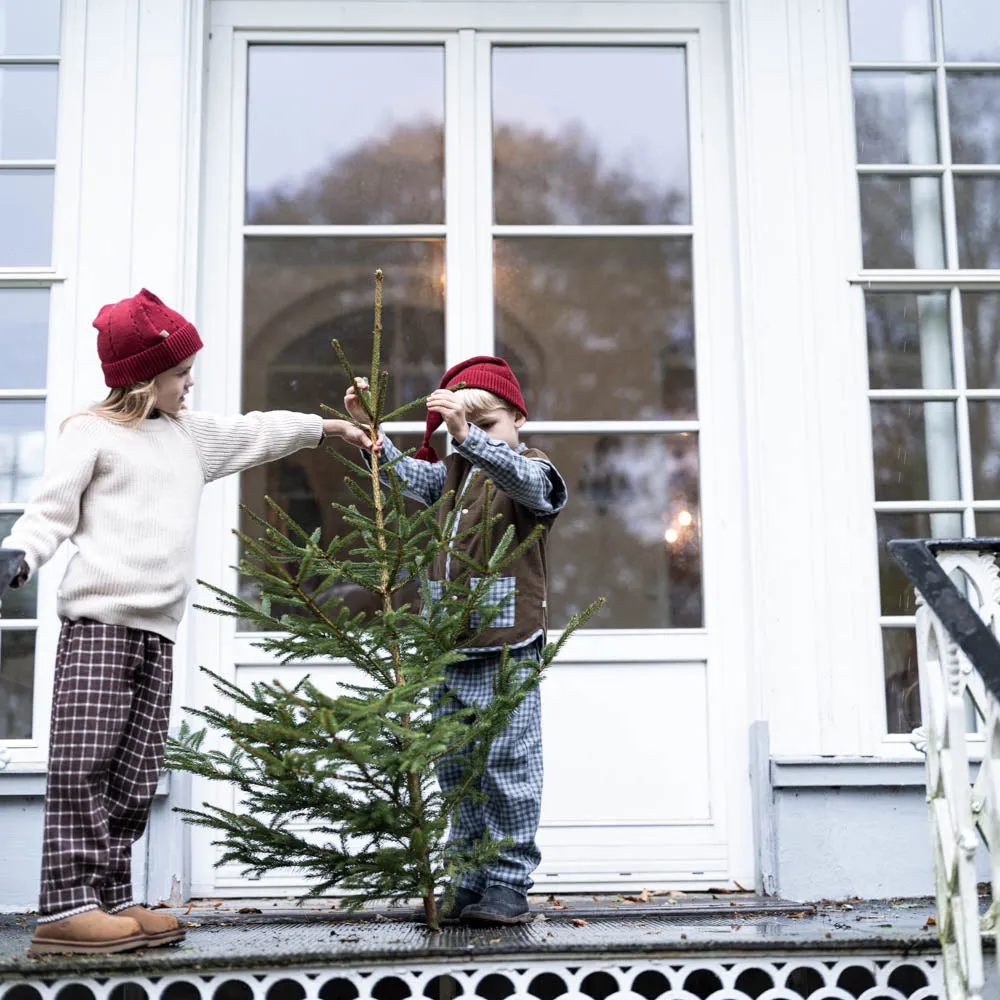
958 655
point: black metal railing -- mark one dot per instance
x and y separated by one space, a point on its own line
917 559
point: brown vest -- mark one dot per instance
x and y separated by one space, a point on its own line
526 613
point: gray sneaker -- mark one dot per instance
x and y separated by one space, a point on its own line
499 906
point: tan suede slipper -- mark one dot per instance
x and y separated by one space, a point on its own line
91 933
157 928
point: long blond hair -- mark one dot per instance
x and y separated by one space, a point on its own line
128 405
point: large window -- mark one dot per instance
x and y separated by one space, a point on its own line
580 224
29 72
926 81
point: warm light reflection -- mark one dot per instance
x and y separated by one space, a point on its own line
684 518
670 536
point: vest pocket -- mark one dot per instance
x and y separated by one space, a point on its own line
500 593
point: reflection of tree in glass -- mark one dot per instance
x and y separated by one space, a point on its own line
546 179
362 187
602 328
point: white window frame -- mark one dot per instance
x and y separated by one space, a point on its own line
949 280
235 24
21 756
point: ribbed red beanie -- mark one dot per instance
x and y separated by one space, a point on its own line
482 372
140 338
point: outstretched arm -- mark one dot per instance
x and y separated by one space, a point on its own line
232 444
421 481
52 516
534 483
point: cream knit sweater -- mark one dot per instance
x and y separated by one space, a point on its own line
128 500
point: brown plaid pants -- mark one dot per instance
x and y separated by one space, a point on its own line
110 712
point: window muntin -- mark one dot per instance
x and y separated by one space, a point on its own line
29 79
926 81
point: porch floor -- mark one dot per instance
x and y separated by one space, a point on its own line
236 934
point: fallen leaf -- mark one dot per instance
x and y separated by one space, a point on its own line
495 940
799 915
596 899
738 886
643 897
350 940
579 923
931 922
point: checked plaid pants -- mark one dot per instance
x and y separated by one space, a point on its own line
512 780
110 712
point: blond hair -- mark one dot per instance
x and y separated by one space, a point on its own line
128 405
479 402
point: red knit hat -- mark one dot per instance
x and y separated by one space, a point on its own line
482 372
140 338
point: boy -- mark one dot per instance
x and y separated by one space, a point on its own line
483 421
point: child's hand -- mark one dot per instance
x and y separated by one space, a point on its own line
353 404
353 434
452 409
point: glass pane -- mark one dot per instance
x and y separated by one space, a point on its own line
981 323
901 222
598 328
345 134
902 690
631 532
895 117
987 524
26 218
22 449
29 27
590 135
23 602
916 451
17 684
306 485
971 30
300 294
891 30
908 343
974 113
24 333
977 214
897 592
984 432
28 112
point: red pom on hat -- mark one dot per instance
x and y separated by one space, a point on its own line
482 372
139 338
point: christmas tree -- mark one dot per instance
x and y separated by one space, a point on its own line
356 765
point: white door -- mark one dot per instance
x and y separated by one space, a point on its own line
550 182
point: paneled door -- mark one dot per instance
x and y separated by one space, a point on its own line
552 183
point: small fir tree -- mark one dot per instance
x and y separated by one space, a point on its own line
357 765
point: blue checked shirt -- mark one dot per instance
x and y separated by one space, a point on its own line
534 483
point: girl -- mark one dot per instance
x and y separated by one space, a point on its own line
123 485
